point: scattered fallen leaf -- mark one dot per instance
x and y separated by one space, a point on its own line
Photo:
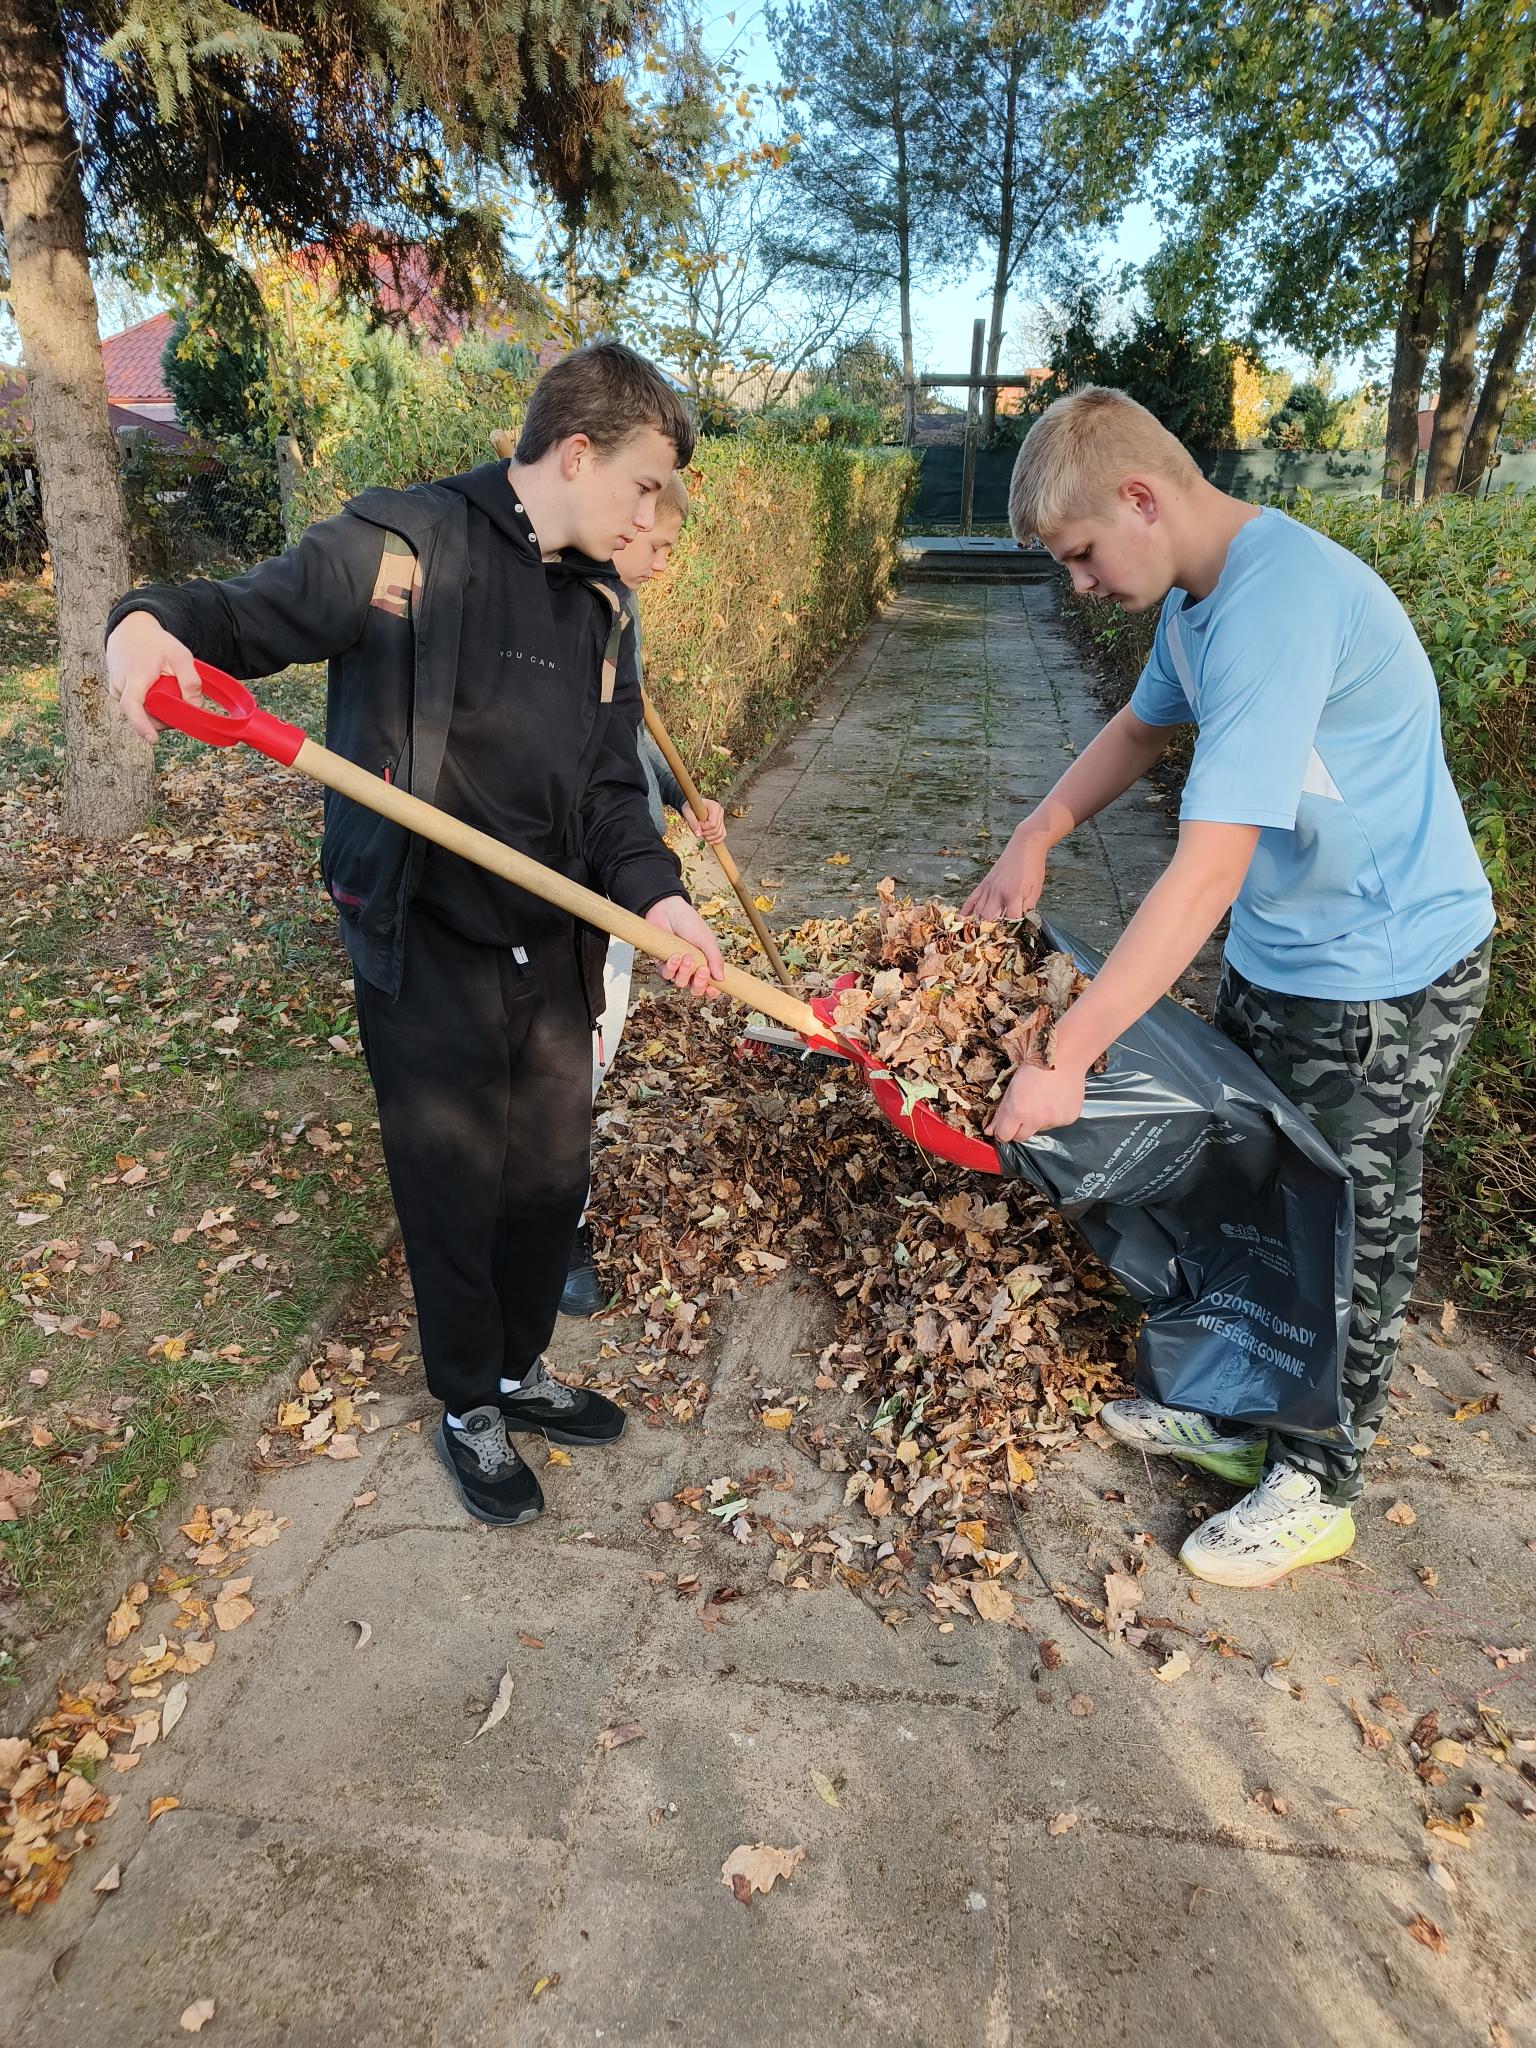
620 1733
530 1642
175 1707
544 1984
757 1866
364 1500
231 1609
1401 1514
162 1805
110 1880
1060 1823
1447 1319
1080 1706
364 1634
1425 1931
825 1789
499 1705
1372 1734
1174 1666
559 1457
197 2016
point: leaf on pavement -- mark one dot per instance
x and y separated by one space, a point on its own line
197 2016
757 1866
1401 1515
1425 1931
825 1789
1174 1666
175 1706
110 1880
499 1705
620 1733
1061 1823
162 1805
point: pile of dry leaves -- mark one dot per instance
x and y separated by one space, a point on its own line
973 1328
955 1006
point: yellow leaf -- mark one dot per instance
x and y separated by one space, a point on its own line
559 1457
1020 1470
993 1603
762 903
777 1418
175 1350
838 860
159 1806
291 1414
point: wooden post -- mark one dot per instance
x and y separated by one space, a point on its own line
972 393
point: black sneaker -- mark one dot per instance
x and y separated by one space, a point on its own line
494 1483
565 1415
584 1293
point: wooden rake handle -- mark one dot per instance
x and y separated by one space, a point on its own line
690 789
241 720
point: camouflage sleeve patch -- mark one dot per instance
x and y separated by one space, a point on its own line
398 583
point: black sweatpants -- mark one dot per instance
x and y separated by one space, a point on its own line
482 1066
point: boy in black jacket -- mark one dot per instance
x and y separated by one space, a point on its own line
472 628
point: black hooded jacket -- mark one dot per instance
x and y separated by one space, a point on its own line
548 716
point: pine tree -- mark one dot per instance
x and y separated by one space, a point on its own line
170 132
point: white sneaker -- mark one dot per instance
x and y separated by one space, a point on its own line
1283 1524
1193 1439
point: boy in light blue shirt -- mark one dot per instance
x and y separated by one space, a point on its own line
1320 811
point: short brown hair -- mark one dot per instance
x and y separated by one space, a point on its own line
608 393
1079 452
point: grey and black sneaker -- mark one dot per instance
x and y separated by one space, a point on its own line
565 1415
494 1483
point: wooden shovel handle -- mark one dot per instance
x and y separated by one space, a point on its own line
689 787
427 822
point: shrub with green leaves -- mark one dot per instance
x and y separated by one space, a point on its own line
786 553
1465 570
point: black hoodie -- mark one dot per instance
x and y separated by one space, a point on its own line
480 677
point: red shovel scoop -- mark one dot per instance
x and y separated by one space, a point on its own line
241 721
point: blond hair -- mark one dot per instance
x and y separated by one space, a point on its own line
1079 452
673 497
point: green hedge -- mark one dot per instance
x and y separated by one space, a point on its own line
1465 569
787 552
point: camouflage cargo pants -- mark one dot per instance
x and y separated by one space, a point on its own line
1369 1077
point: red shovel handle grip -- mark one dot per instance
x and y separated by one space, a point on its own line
241 720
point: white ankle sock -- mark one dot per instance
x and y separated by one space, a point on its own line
453 1421
510 1386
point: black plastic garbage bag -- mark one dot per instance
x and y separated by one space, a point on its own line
1210 1198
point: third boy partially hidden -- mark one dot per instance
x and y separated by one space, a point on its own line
473 629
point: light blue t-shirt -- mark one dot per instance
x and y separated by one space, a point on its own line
1320 723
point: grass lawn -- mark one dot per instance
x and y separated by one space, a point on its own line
189 1167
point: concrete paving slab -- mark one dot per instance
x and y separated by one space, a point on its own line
882 1935
387 1732
302 1940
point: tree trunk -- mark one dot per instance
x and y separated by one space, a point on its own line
904 276
108 771
1468 295
1417 322
1499 378
1003 270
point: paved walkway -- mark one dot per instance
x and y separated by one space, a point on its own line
1021 1851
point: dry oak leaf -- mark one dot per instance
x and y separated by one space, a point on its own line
993 1602
18 1491
1060 1823
197 2016
756 1866
1401 1514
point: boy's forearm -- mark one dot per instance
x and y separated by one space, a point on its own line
1113 762
1179 914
